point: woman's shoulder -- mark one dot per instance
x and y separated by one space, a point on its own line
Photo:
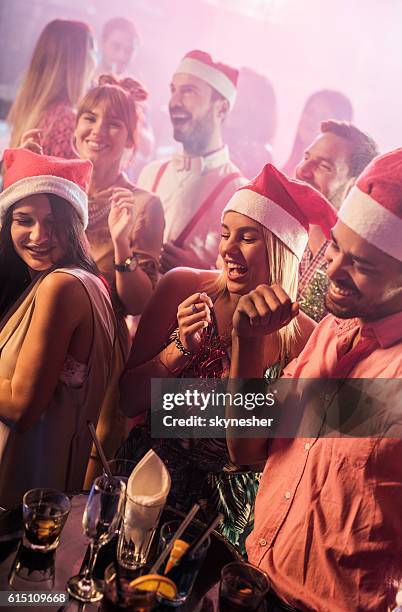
58 111
144 197
65 287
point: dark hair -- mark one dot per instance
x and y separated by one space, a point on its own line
340 108
120 23
364 148
14 273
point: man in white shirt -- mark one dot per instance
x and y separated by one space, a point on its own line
195 185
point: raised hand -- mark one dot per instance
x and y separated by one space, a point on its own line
32 140
122 214
263 311
193 315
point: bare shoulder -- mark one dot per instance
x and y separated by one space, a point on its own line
306 328
147 201
64 291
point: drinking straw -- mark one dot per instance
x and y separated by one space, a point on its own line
192 549
100 450
180 530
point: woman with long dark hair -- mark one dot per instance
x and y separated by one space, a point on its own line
58 329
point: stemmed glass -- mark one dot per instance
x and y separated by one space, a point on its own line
101 517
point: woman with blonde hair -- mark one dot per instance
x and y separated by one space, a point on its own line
186 331
59 73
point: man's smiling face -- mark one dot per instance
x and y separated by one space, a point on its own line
365 282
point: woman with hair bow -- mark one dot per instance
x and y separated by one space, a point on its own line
126 223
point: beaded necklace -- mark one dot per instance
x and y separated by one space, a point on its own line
97 213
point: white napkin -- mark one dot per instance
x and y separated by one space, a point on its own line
147 489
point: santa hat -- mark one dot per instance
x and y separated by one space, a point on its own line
373 207
221 77
285 206
27 173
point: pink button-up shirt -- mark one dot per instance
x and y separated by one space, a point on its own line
328 522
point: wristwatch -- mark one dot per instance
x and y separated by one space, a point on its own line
129 264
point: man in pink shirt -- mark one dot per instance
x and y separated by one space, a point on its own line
328 528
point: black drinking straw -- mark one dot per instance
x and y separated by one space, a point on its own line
100 450
198 542
182 527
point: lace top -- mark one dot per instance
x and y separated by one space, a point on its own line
57 125
74 373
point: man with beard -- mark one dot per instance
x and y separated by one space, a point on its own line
327 520
331 164
195 186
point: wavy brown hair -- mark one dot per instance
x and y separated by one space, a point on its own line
123 97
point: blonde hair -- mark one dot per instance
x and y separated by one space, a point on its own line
283 270
122 96
57 73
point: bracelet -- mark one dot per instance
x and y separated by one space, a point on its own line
176 339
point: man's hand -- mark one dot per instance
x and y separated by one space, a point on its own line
173 256
263 311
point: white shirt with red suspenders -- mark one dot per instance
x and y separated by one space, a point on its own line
193 191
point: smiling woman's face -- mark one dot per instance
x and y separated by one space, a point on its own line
101 136
33 233
244 253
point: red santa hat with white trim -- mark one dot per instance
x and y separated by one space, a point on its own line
27 173
220 76
373 207
287 207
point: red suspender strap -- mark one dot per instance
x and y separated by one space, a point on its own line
206 204
159 174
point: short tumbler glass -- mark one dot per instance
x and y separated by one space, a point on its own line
45 512
187 571
118 595
242 587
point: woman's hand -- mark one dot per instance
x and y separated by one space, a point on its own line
32 140
122 215
263 311
193 315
